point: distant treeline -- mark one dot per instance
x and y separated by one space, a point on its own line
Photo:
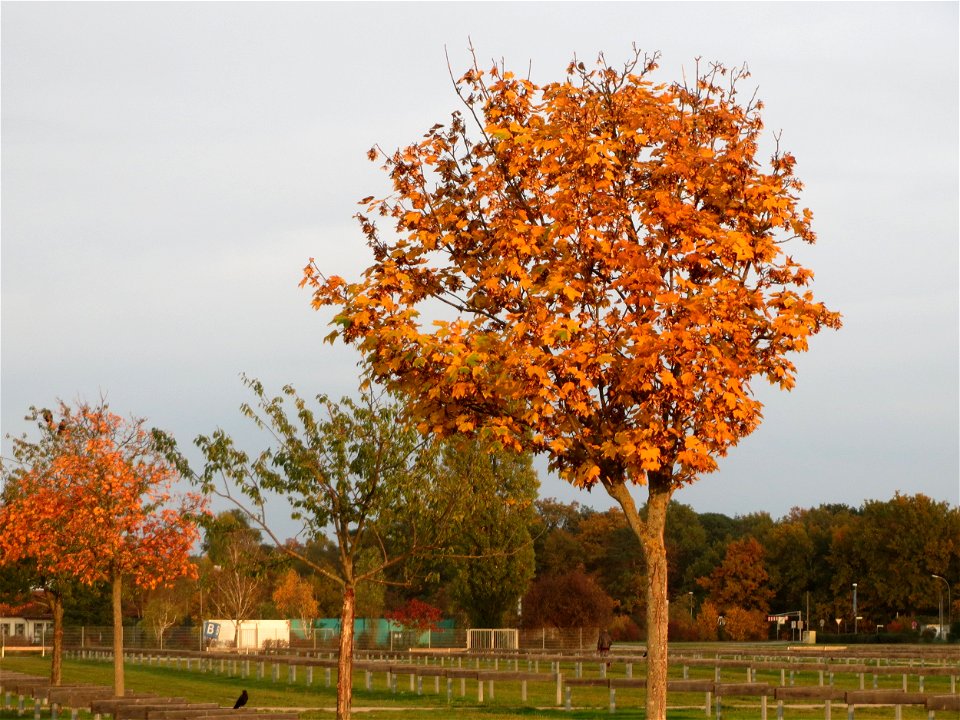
748 567
583 568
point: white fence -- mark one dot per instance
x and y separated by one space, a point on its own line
492 639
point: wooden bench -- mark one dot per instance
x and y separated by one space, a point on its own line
249 715
138 711
221 713
112 705
74 697
10 676
166 713
26 686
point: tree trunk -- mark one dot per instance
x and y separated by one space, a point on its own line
655 551
56 662
117 638
345 660
650 534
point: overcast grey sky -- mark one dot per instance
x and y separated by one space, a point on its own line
168 168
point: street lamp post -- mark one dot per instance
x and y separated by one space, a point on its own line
949 604
690 596
854 608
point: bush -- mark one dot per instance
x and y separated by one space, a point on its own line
682 629
900 625
571 600
744 624
624 629
707 621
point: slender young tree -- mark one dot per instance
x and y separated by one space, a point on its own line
354 468
93 499
594 269
164 608
238 579
294 597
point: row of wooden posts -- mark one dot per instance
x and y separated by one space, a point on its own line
453 667
408 663
150 707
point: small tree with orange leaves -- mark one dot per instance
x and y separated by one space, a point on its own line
604 262
92 500
294 598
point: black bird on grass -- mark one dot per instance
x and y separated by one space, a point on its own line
241 701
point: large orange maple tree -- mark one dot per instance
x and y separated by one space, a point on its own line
594 269
93 500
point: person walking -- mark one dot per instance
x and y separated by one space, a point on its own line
604 642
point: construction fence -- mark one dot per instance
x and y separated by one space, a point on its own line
368 635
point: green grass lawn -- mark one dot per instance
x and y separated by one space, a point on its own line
317 700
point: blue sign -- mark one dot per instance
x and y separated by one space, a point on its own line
211 630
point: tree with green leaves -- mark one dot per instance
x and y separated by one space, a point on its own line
891 549
493 560
612 554
354 469
689 554
555 536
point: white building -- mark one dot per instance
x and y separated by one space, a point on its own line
20 630
254 634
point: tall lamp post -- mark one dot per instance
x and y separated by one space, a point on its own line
949 604
854 608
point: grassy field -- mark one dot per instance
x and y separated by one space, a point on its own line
318 701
